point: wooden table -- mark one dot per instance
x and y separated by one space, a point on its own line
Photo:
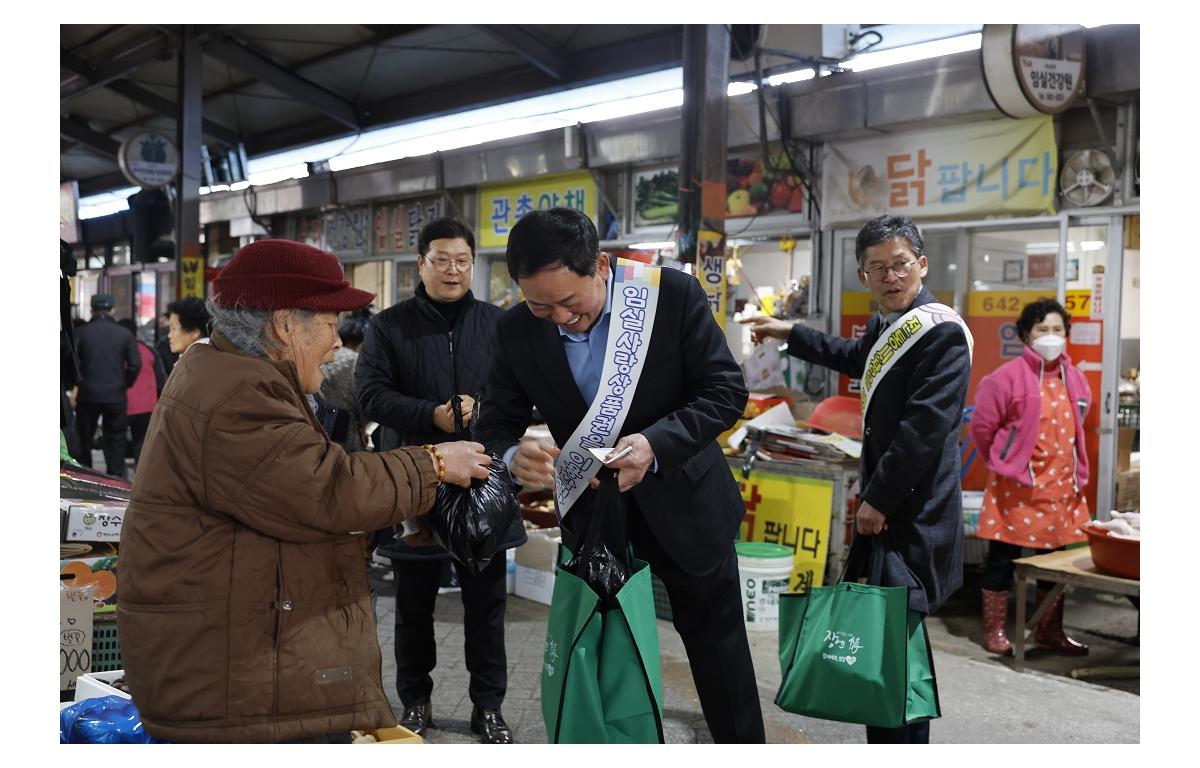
1070 567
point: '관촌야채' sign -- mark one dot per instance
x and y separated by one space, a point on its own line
501 206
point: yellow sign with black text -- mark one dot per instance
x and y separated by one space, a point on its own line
791 511
501 206
191 274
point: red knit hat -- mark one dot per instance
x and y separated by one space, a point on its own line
284 274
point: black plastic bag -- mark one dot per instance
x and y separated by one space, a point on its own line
470 523
602 561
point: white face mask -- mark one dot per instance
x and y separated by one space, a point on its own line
1049 346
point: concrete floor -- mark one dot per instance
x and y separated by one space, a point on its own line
983 699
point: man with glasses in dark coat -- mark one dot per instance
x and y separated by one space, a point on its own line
416 356
910 480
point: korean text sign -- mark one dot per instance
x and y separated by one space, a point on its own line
501 206
791 511
1002 166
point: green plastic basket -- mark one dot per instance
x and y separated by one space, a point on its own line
106 646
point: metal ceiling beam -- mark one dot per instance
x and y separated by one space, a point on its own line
80 131
383 34
648 53
520 40
97 76
169 108
256 65
102 183
103 34
148 98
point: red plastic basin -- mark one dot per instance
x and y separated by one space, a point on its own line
1116 557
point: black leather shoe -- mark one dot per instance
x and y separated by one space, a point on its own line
490 724
417 718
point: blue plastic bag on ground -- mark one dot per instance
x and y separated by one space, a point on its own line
103 720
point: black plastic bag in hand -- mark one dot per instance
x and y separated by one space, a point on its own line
470 523
602 560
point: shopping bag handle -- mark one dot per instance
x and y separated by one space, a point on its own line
875 557
456 408
606 523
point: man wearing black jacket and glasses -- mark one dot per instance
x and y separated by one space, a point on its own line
416 356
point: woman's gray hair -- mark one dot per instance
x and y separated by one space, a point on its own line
245 328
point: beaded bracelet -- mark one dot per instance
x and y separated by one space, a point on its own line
437 459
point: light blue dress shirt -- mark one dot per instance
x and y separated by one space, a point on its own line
585 356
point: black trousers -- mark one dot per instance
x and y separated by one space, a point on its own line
113 424
707 612
917 733
484 597
999 569
138 424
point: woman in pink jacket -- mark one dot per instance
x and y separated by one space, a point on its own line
1028 425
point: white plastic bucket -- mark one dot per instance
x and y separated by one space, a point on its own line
764 571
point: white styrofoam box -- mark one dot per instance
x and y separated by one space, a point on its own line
534 584
96 684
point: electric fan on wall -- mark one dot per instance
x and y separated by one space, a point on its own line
1087 178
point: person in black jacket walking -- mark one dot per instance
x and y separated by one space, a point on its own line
911 508
416 356
109 364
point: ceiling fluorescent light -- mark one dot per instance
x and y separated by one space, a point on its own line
666 245
905 54
794 76
737 88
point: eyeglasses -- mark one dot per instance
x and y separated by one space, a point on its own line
901 269
443 264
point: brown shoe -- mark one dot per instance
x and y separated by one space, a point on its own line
1050 630
995 611
491 726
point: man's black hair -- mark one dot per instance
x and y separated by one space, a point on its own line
1035 312
552 238
445 228
883 228
192 314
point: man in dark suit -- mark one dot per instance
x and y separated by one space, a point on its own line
909 477
684 507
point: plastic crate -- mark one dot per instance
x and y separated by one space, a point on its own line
662 603
106 646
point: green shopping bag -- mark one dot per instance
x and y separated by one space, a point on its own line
856 653
601 682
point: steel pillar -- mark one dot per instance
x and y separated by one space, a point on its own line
189 137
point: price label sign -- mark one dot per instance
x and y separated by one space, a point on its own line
75 635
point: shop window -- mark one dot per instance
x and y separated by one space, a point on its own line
120 253
501 290
1014 259
147 291
373 276
407 278
767 277
121 288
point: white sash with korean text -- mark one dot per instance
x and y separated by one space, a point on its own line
898 338
630 325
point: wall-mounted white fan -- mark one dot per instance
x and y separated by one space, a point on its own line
1087 178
